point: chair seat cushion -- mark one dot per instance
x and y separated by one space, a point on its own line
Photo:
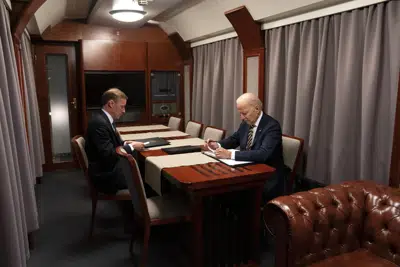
167 206
123 192
361 257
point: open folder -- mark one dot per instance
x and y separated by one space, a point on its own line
152 142
229 162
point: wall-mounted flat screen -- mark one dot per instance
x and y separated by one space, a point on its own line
133 84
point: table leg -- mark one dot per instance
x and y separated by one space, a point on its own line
197 213
255 234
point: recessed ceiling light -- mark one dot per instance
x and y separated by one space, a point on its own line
127 15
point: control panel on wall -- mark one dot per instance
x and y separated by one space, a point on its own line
165 92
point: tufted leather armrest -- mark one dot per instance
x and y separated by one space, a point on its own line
321 223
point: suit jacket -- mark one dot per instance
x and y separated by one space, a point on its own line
100 147
266 148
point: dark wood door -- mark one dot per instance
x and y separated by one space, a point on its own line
56 82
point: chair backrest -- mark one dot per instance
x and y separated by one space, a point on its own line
194 128
78 145
174 123
130 169
292 149
214 133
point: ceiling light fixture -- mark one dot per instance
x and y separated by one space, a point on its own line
127 15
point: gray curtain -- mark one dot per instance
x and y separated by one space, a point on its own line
333 82
217 82
32 110
18 211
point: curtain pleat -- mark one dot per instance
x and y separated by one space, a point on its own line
333 81
18 211
217 83
32 110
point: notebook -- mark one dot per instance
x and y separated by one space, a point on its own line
152 142
229 162
181 149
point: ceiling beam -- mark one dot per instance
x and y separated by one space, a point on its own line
92 5
95 5
176 9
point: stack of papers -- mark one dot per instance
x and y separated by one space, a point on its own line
229 162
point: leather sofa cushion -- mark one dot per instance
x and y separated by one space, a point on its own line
360 257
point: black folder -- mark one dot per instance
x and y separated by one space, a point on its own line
181 149
152 142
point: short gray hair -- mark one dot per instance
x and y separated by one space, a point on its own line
250 99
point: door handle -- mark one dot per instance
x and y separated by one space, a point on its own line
74 103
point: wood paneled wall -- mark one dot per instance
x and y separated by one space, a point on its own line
114 55
74 31
119 49
106 48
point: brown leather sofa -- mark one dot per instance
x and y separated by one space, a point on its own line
351 224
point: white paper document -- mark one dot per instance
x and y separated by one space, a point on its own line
229 162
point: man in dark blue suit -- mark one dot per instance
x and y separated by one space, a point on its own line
259 138
102 139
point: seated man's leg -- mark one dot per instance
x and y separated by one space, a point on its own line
125 206
273 187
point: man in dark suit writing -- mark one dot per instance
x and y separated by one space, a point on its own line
259 138
102 138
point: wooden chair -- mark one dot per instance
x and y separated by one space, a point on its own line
158 210
78 145
175 123
292 150
214 133
194 128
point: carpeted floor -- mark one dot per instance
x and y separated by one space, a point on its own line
62 241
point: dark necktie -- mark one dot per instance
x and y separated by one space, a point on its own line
114 125
250 137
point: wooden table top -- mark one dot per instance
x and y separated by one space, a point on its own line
166 138
211 175
144 131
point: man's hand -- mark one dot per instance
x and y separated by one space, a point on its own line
211 144
136 145
222 153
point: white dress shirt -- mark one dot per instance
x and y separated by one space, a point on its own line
112 121
254 134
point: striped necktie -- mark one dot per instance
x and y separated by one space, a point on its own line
250 137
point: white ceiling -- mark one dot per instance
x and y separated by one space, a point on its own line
208 18
77 9
54 11
100 14
193 19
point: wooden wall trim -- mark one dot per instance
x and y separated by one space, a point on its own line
184 50
251 37
394 179
260 53
25 17
248 30
18 29
18 59
191 89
